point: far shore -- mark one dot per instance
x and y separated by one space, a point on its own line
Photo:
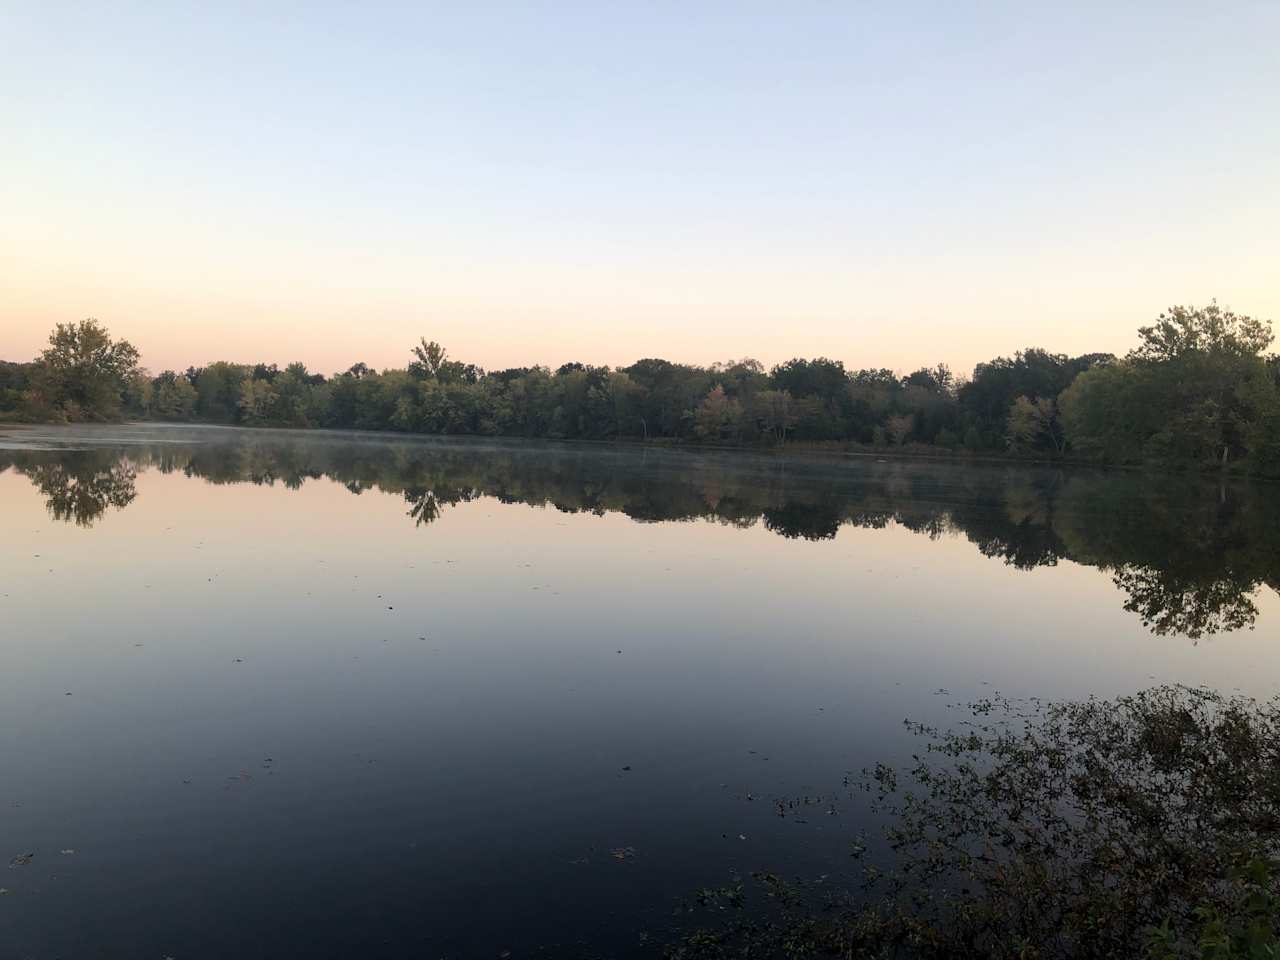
798 451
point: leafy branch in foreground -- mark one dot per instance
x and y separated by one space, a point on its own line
1145 825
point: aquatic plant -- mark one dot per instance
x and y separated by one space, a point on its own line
1144 825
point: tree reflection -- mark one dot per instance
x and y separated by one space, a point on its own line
1189 555
80 487
1170 605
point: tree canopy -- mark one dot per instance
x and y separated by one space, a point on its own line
1197 390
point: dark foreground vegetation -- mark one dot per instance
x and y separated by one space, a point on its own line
1199 390
1147 826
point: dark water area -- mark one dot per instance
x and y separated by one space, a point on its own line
272 694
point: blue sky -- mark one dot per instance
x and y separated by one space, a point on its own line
888 184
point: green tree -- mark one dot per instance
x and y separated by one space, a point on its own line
429 359
772 410
138 394
1260 427
1111 411
1179 397
174 398
1194 331
718 416
257 401
625 398
218 391
84 372
1034 422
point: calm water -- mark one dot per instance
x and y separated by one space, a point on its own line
275 694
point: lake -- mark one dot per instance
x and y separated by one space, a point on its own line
268 693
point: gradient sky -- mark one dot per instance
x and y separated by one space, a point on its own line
887 184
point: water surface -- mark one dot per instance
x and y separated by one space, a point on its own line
272 694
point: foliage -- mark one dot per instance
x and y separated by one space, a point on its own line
718 417
173 397
1033 421
82 374
1145 825
1196 391
15 379
1033 373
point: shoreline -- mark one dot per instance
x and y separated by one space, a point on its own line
797 452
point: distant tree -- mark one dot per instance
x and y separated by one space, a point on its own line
429 358
257 401
1180 332
937 380
718 416
138 394
670 391
14 381
1180 396
83 372
1111 412
1260 429
173 396
811 378
624 397
985 400
293 389
899 428
1032 422
872 395
218 391
772 410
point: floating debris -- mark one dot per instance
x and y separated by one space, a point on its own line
622 853
69 852
21 860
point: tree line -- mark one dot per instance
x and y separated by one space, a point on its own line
1199 389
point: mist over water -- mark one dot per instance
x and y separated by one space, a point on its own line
268 693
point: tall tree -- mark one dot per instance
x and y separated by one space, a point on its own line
429 358
1179 396
85 372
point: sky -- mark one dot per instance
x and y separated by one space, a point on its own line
891 185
